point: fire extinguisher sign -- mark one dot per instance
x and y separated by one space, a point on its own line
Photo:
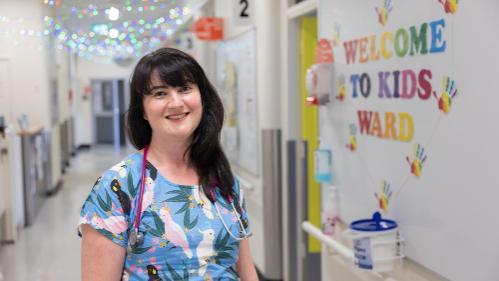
243 12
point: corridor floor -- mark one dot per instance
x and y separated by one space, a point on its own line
49 250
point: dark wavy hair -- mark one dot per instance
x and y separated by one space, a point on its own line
176 68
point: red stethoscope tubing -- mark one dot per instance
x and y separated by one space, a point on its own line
141 192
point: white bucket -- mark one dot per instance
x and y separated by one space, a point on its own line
376 243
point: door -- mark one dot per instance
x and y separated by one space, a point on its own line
309 136
108 111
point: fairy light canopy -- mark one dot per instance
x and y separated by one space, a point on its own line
117 29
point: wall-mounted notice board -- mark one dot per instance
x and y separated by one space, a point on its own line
236 82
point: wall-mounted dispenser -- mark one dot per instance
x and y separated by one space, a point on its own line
318 83
320 76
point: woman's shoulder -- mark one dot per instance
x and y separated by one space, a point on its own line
130 164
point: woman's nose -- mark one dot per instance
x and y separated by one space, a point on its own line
175 99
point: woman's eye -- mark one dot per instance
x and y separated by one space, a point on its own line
158 94
185 88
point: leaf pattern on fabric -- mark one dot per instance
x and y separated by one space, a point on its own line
173 273
223 251
184 195
159 229
131 188
105 205
140 250
184 238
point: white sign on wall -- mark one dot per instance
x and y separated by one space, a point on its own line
243 12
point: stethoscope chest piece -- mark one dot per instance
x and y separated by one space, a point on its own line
136 238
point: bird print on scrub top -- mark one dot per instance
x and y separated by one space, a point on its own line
184 238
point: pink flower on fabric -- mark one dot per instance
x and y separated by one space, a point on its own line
152 250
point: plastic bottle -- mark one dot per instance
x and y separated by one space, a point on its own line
330 213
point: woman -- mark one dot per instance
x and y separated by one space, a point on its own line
172 210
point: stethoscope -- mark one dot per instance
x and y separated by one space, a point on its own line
137 237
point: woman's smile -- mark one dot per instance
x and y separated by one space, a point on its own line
177 116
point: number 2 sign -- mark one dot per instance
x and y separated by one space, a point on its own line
243 12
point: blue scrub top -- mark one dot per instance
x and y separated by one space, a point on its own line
184 236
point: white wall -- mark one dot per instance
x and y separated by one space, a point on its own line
31 69
29 85
266 22
429 208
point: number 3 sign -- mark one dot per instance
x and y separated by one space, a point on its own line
243 12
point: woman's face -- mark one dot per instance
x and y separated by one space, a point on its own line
173 112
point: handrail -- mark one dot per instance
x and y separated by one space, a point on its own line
340 248
317 233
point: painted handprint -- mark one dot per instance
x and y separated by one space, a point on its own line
450 6
419 158
336 34
449 92
384 196
352 145
341 88
384 11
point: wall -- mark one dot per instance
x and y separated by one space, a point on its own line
266 23
28 60
30 54
436 178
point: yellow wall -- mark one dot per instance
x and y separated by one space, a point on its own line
309 125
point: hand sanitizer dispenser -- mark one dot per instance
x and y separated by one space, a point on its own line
319 83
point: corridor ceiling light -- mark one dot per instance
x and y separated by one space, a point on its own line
113 14
87 28
113 33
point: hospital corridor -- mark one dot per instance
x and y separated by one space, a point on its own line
251 140
50 248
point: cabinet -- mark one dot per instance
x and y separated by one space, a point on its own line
11 186
36 170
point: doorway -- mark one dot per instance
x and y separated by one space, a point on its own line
108 105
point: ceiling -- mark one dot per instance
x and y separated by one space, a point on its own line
143 25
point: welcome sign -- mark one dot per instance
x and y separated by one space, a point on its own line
407 133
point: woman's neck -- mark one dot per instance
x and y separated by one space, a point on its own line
168 153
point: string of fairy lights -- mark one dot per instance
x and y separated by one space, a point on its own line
143 31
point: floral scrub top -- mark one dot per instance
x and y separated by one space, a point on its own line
184 236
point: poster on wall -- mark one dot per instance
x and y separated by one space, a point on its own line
236 83
410 125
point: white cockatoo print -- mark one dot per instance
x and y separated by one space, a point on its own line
114 224
148 197
203 202
120 168
205 249
174 233
126 276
